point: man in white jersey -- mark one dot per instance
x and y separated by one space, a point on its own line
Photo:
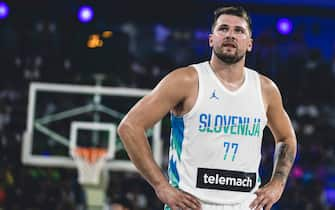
219 109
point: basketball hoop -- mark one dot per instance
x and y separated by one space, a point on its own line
89 161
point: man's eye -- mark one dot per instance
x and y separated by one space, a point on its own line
223 29
238 30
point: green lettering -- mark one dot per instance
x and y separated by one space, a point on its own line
241 128
209 130
226 129
202 129
251 131
232 130
246 129
218 129
257 129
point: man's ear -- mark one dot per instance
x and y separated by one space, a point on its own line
250 45
210 40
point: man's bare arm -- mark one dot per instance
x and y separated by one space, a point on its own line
172 90
282 130
286 146
283 160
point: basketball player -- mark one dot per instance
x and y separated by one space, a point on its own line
219 109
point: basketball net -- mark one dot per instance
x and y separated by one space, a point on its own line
89 161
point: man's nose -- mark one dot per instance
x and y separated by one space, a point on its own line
230 34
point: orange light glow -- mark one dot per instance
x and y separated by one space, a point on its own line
107 34
94 41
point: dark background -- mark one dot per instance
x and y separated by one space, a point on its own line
44 41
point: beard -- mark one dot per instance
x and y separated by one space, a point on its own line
228 58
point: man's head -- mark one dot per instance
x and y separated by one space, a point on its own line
231 34
232 10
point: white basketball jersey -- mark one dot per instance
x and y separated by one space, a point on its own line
215 148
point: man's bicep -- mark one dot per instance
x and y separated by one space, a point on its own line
280 125
153 107
150 110
278 119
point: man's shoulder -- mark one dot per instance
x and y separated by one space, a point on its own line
190 71
269 89
267 84
186 74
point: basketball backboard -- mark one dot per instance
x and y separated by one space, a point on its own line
63 115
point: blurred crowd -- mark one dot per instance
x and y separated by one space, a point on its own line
139 56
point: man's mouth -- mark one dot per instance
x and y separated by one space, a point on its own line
231 45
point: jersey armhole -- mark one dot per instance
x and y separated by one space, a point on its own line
199 95
259 90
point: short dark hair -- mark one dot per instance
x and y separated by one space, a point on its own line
232 10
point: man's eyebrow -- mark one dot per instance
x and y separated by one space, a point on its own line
226 25
240 27
223 24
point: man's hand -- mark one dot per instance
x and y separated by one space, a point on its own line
177 199
268 195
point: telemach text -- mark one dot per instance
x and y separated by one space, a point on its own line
225 180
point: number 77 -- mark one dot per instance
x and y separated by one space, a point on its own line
227 147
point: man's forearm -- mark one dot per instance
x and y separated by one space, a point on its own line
138 149
283 160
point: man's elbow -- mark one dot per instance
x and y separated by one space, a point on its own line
123 128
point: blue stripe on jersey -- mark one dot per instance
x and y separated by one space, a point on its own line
176 143
177 137
173 173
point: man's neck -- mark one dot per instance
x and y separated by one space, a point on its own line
230 73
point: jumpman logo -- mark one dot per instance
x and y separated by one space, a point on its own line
214 96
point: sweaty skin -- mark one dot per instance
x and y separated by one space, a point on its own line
177 92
